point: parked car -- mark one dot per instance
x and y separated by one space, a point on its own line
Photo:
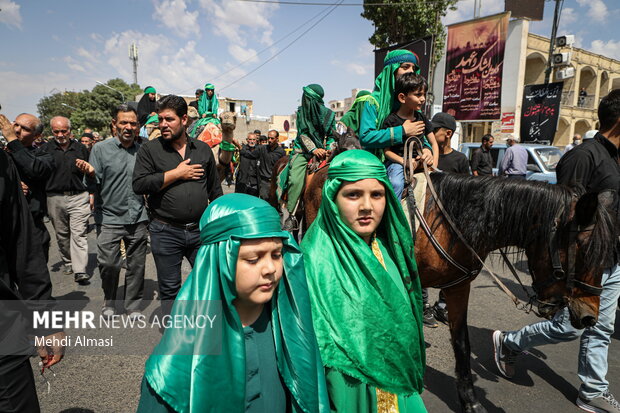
541 160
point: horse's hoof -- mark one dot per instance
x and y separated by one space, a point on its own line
474 408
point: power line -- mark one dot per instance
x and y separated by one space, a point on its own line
333 7
304 24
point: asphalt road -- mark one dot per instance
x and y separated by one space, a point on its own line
546 379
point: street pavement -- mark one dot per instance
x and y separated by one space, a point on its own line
546 377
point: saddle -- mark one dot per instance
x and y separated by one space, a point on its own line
314 165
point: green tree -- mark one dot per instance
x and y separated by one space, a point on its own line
399 23
96 106
89 108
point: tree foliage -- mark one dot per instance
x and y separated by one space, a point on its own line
89 108
400 23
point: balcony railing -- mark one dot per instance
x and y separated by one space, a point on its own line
568 99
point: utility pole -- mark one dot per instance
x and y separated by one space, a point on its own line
133 56
554 32
477 7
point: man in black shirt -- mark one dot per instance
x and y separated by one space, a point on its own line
481 160
34 167
247 173
450 160
179 177
68 201
23 276
267 156
594 166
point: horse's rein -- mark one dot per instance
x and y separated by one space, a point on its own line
408 163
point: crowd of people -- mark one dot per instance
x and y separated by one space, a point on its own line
333 324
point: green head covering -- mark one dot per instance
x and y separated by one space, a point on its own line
352 118
385 82
208 105
149 89
152 119
180 369
313 119
368 325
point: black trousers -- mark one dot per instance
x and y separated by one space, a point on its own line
18 393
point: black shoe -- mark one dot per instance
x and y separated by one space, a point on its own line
441 313
429 318
82 278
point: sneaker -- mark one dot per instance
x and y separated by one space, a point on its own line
441 313
81 278
107 312
504 357
67 270
429 318
606 403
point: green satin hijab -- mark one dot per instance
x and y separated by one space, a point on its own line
365 326
351 119
385 83
208 105
314 120
181 372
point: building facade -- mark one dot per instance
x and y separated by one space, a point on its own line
525 61
340 107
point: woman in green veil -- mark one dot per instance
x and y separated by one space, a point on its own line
365 291
262 355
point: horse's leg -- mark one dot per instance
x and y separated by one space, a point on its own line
457 299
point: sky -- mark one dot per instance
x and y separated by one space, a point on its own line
50 46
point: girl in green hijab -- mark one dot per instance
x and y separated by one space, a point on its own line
365 291
208 104
261 354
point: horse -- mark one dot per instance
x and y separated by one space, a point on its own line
554 224
565 235
306 212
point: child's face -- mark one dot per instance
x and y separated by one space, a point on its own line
259 270
405 67
413 100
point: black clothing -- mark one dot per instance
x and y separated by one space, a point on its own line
194 104
23 270
482 161
454 162
18 391
34 167
182 202
66 177
394 120
593 164
145 108
266 158
247 174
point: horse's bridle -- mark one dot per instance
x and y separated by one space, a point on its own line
554 252
558 271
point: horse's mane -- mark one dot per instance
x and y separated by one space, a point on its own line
493 211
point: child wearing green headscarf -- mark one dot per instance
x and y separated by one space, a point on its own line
383 102
365 291
208 104
262 354
315 137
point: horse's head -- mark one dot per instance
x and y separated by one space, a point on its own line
229 121
346 140
569 271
